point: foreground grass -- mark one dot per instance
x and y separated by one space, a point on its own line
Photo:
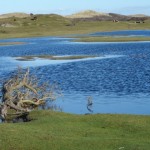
112 39
60 131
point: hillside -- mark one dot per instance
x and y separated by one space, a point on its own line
93 16
87 14
139 15
53 24
25 20
17 15
119 17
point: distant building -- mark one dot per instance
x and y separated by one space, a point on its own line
115 20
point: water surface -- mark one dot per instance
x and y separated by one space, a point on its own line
118 83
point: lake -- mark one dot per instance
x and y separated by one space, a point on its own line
118 79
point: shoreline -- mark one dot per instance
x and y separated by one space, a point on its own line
11 43
112 39
80 38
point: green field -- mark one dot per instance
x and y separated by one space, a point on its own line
55 25
61 131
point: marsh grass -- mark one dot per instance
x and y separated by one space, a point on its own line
51 57
55 130
112 39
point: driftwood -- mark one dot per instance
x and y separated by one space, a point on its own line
22 94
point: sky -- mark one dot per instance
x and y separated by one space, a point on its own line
66 7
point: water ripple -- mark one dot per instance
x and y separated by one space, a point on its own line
117 84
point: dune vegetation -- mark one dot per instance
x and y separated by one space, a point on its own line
56 25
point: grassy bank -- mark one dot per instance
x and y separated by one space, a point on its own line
60 131
112 39
55 25
11 43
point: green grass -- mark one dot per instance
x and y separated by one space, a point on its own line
55 25
61 131
112 39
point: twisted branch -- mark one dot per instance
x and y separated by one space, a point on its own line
23 94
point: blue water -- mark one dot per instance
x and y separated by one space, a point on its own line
118 83
125 33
